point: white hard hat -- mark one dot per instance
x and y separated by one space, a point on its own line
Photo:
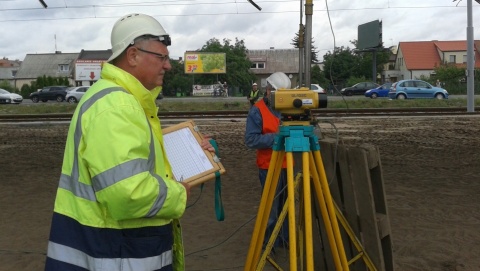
132 26
279 80
254 84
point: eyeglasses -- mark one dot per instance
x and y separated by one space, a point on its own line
160 56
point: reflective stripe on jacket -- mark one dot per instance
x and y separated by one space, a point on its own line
270 125
117 197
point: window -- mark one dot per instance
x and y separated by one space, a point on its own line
464 58
258 65
63 68
421 84
453 59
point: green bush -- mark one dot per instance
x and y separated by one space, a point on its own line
7 86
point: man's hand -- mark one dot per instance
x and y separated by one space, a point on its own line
187 188
206 145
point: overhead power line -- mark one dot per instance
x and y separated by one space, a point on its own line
177 3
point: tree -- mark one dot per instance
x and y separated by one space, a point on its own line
175 80
339 65
296 44
345 63
238 65
4 84
449 72
44 81
318 77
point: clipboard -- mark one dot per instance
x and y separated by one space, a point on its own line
190 163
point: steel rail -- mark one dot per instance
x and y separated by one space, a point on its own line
223 114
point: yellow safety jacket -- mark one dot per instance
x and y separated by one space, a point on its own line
117 197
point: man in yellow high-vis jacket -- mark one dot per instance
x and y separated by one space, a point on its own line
117 205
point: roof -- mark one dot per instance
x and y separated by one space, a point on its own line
420 55
425 55
95 54
35 65
5 62
451 46
285 60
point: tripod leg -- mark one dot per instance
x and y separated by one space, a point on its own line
291 213
264 208
276 231
325 215
331 209
307 211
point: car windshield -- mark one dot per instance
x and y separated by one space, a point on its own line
2 91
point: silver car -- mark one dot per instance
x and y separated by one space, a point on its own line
7 97
74 94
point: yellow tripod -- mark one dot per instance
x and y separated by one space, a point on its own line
297 136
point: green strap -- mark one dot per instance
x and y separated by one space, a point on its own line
219 212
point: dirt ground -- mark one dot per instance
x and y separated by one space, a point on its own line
431 168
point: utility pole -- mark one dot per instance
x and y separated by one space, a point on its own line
301 47
470 60
308 42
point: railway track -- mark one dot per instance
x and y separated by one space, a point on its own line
235 114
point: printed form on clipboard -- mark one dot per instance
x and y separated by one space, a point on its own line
190 163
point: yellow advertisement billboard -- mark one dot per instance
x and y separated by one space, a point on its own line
202 62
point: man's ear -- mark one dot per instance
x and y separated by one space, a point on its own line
132 56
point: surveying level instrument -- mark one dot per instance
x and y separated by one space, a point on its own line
296 135
295 104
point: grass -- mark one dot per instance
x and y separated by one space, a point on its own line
387 103
179 105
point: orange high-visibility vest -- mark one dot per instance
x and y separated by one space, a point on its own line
270 124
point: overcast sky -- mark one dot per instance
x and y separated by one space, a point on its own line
72 25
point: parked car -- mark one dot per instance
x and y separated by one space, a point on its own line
55 93
381 91
7 97
74 94
317 88
358 89
411 89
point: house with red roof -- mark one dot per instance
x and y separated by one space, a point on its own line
417 58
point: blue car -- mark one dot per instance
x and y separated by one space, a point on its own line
381 91
412 89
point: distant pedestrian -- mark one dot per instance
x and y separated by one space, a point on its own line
225 89
253 95
439 84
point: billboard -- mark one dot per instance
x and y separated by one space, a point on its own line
203 90
370 35
88 70
202 62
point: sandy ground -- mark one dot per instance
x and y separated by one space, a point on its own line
431 168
